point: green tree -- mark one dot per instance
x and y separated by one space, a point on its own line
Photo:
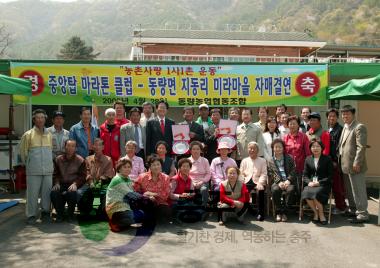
76 49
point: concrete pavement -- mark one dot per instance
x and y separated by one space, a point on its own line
203 244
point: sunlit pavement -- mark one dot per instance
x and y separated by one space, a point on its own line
203 244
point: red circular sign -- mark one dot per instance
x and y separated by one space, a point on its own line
37 81
307 84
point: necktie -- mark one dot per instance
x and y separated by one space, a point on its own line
162 126
137 138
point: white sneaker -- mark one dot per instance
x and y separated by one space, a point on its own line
362 217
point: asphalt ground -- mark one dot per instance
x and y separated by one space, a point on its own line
203 244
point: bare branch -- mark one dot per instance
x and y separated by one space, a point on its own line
5 39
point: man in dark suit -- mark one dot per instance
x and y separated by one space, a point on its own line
305 113
159 128
211 136
196 130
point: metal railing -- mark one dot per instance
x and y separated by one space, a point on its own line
239 58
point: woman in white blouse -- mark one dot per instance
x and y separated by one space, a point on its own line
270 134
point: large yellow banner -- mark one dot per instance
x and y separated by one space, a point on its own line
179 84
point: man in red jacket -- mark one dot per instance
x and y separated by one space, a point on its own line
110 134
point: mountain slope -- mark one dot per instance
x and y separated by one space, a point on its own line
39 28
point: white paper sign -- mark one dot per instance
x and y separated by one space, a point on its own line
227 127
181 132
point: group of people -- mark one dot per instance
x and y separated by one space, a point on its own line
129 165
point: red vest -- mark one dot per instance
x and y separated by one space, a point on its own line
182 185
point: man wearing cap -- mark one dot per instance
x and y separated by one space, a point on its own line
110 134
352 149
316 132
59 134
204 120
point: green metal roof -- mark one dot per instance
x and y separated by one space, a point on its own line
342 72
4 67
351 47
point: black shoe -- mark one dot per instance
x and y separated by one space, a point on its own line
349 214
315 221
45 216
205 216
252 210
260 217
358 221
59 219
71 218
323 222
31 220
176 221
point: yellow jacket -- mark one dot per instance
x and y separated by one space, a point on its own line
36 152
